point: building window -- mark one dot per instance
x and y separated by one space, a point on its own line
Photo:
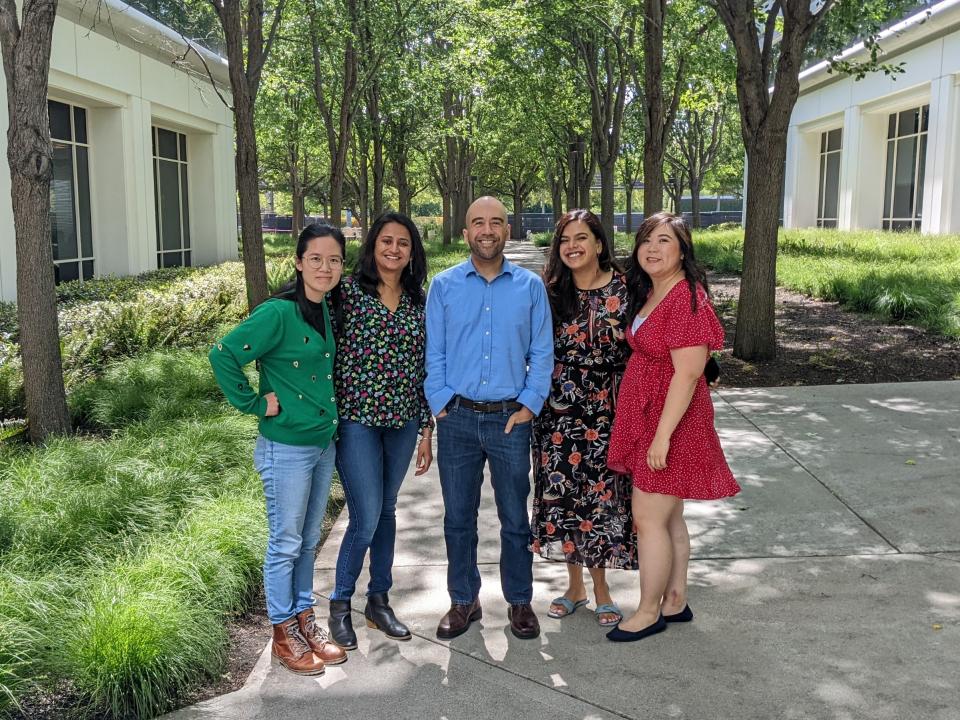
70 224
829 199
170 195
906 156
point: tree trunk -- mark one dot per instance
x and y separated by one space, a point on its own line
447 226
608 179
26 64
586 181
248 191
403 187
574 159
628 189
376 131
458 207
516 229
246 54
363 197
755 337
556 197
695 201
297 192
299 213
653 146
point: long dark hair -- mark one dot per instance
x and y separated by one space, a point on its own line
558 278
640 283
413 275
293 290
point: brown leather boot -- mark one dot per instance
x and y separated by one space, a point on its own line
290 649
317 638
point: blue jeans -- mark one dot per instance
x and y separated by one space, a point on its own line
465 440
371 462
296 483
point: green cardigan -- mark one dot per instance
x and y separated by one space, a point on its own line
296 363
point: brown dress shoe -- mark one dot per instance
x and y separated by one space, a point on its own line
317 639
458 618
290 649
523 621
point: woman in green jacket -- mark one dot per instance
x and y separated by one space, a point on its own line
291 339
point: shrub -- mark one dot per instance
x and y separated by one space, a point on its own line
11 381
542 239
182 309
281 271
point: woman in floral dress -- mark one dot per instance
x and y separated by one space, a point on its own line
581 510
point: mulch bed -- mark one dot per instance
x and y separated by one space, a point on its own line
820 343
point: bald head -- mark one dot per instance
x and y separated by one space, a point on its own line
486 231
487 205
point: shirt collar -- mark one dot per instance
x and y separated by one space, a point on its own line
507 268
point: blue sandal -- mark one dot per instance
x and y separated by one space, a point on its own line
569 607
608 609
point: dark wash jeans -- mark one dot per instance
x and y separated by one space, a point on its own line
466 439
371 462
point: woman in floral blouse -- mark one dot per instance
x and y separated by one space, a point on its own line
581 510
379 380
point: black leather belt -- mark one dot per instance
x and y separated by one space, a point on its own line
485 407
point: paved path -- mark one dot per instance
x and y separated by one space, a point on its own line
830 588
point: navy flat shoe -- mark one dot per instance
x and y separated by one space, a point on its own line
618 635
685 615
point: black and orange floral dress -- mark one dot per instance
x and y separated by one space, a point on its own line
581 510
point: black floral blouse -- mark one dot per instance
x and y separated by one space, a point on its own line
380 360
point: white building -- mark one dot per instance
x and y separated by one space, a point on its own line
882 152
142 150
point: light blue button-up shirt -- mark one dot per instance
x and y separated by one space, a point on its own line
488 341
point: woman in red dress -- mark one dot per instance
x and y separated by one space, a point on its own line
663 434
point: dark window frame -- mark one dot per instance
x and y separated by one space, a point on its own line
83 264
919 120
828 152
181 256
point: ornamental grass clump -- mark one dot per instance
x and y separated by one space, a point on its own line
159 386
122 554
153 622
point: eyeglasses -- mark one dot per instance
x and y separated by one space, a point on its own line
315 262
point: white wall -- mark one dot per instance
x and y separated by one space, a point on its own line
931 75
128 83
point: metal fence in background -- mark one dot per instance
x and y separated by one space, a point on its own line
543 222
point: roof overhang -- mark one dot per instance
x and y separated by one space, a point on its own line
128 26
924 26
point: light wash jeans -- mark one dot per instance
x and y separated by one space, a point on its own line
371 462
296 483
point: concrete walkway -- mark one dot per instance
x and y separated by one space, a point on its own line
829 588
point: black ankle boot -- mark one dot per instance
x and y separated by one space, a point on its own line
341 625
380 616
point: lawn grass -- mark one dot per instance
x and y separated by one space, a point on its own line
903 277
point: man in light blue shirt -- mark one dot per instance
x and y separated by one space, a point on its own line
489 361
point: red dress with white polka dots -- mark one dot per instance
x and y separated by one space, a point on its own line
696 468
